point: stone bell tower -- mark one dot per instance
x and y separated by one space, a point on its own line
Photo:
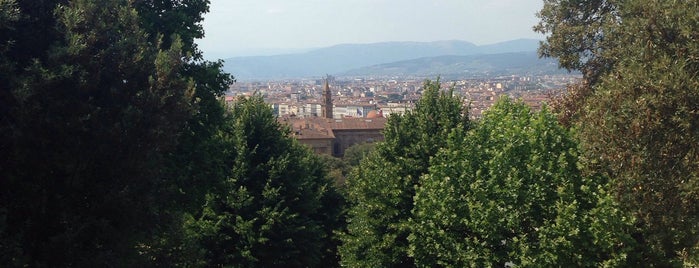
327 105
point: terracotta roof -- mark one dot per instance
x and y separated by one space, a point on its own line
373 114
328 125
313 134
355 123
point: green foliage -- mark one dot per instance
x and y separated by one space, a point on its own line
8 12
382 187
197 162
578 34
174 17
114 138
651 100
637 117
355 153
94 111
337 169
509 193
9 15
277 206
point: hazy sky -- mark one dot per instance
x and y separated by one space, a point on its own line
248 27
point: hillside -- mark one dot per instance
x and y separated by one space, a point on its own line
524 63
346 57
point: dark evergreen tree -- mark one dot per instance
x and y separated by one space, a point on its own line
95 107
277 207
174 17
196 163
382 188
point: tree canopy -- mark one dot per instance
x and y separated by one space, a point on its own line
117 150
509 193
637 109
277 207
94 106
382 187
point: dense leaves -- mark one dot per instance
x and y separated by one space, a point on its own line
355 153
381 189
277 207
651 99
117 150
174 17
580 33
638 112
509 193
93 111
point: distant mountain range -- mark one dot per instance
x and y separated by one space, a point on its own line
453 67
444 58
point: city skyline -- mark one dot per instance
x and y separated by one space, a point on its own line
266 27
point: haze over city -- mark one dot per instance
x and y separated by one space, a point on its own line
252 27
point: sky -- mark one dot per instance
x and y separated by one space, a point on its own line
264 27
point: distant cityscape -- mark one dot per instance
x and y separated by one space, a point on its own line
358 97
332 114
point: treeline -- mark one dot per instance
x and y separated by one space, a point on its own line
609 176
116 151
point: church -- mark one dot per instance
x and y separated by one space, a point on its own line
332 136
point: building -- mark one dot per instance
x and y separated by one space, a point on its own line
327 105
334 136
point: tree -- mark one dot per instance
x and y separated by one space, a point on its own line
337 169
355 153
382 187
196 163
93 107
650 99
580 34
638 121
509 193
9 15
167 18
277 206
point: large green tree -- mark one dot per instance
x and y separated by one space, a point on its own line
196 164
277 206
509 193
93 106
382 187
638 114
580 34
